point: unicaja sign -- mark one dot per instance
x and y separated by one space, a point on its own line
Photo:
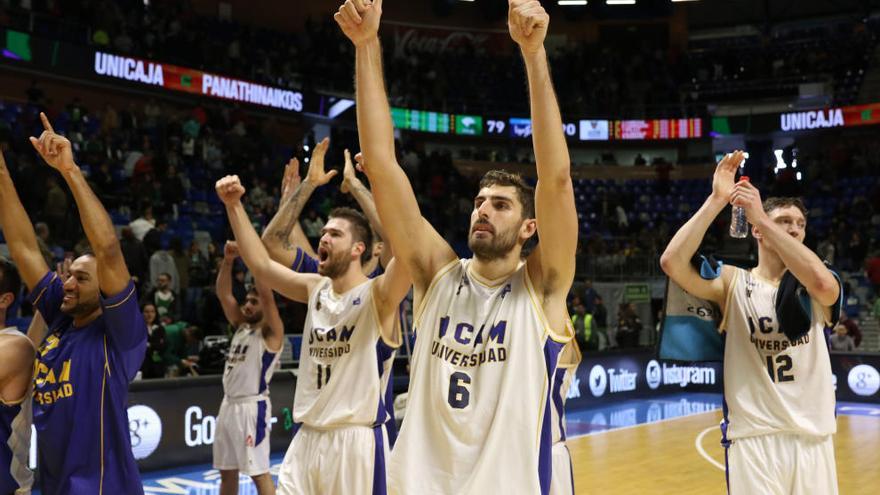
814 119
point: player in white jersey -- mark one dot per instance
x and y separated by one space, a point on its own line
562 482
779 395
16 374
489 329
341 445
241 442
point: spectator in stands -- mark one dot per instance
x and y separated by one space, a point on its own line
153 240
199 278
852 328
55 208
189 359
312 226
165 299
153 365
583 325
143 224
629 326
840 341
135 256
181 263
590 296
600 322
162 262
42 231
852 304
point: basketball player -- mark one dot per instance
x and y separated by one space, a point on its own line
349 328
242 442
288 245
16 376
284 238
779 414
562 482
96 345
489 329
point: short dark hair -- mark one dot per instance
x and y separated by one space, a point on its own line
167 275
771 204
360 229
10 280
524 192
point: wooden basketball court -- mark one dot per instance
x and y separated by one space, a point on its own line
665 457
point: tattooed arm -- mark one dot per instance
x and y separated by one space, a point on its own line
276 238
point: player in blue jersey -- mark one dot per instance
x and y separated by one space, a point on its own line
288 245
95 345
16 375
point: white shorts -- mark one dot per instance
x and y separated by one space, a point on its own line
349 461
782 464
562 479
241 439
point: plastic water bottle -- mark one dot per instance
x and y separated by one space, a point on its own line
739 226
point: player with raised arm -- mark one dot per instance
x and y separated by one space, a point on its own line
241 443
96 345
284 238
779 395
490 328
349 329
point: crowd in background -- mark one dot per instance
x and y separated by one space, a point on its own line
619 77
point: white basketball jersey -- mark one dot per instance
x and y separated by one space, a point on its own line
477 417
15 438
249 364
770 384
562 378
341 362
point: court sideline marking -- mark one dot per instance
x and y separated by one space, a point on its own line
698 443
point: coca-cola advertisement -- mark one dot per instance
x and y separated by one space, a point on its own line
410 39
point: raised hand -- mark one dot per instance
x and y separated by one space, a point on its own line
230 251
746 195
528 23
291 179
316 174
229 189
348 174
725 175
54 148
359 20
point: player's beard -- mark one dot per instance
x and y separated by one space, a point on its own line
335 266
254 318
498 245
81 308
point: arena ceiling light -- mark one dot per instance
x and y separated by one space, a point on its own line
571 2
620 2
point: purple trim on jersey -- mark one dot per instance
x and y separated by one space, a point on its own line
391 422
557 400
7 416
379 487
84 381
261 422
552 350
268 357
376 271
303 263
383 352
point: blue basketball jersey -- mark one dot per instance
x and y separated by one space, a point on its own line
81 394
